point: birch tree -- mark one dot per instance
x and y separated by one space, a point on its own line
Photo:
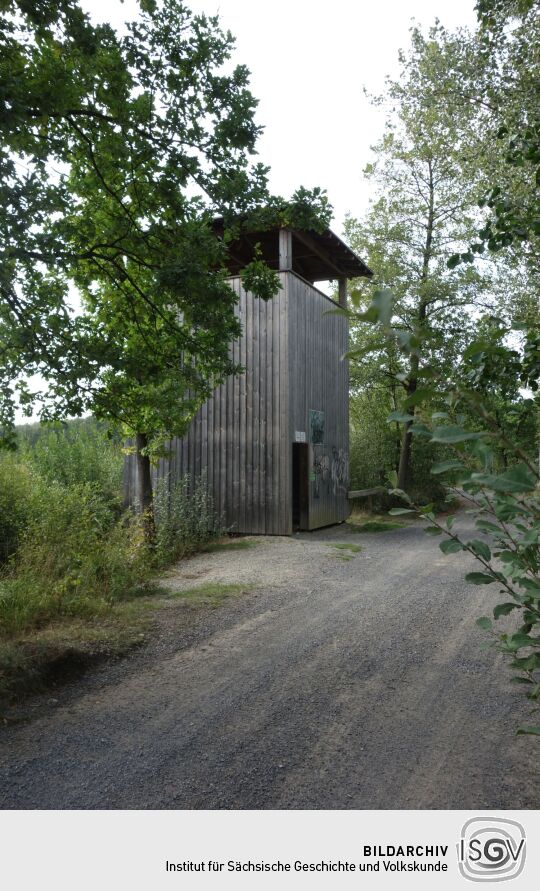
425 173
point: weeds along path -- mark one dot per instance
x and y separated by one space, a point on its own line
346 678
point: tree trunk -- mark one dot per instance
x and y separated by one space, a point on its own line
145 496
404 458
406 440
412 383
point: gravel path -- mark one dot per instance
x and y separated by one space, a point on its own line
337 683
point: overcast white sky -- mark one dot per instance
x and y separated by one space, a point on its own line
309 60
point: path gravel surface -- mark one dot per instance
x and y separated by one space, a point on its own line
335 683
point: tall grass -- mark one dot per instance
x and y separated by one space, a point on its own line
74 557
17 482
79 451
185 518
67 549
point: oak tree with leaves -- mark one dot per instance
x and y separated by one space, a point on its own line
117 153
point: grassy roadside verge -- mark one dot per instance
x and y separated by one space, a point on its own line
39 659
379 521
363 521
78 582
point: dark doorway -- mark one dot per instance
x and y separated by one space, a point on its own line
300 482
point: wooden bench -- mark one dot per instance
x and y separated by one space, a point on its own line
366 493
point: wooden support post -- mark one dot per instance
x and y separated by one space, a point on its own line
342 291
285 250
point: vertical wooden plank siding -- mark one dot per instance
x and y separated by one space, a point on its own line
262 407
248 335
292 349
257 520
319 381
238 437
283 385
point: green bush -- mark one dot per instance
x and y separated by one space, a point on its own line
67 549
74 558
16 484
424 487
374 453
374 444
185 518
74 453
505 505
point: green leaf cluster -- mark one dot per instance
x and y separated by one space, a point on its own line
118 153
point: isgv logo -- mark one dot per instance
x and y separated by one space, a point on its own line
491 849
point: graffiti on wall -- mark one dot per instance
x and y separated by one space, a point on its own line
321 472
339 470
330 470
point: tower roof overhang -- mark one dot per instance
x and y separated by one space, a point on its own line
316 256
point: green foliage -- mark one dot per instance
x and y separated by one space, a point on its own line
75 452
68 551
485 623
534 731
307 209
466 107
345 546
505 504
495 13
426 171
74 558
210 594
374 447
16 485
470 379
376 526
487 431
185 518
123 150
259 279
507 66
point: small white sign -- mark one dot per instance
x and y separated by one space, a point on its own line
300 436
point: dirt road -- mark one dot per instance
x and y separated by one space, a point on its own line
337 683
